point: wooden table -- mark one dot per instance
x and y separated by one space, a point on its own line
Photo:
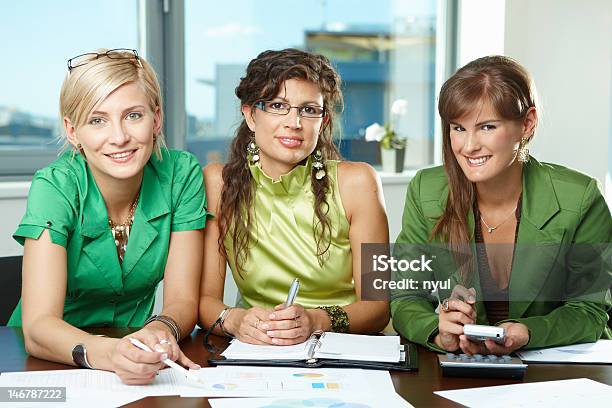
415 387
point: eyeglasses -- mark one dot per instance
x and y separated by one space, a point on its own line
117 53
282 108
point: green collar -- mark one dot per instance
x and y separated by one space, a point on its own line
287 184
152 202
539 198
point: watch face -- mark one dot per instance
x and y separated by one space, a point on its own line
79 356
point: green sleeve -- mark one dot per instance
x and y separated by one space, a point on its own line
583 317
52 203
413 311
189 207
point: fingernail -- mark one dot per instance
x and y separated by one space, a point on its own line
197 366
471 298
272 316
265 326
159 348
509 343
275 341
270 333
164 356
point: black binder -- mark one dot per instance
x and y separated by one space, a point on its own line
408 361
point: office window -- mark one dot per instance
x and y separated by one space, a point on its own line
383 52
37 39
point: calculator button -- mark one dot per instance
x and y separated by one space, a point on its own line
478 357
450 356
506 357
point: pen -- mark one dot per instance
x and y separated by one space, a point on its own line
167 361
293 291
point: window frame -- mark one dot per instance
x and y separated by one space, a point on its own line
161 33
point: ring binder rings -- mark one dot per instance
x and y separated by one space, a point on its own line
326 349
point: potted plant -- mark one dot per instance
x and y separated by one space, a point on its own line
392 147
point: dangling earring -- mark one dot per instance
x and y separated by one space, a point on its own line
523 151
252 150
318 165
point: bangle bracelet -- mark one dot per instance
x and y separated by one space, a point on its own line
222 318
168 321
219 322
339 318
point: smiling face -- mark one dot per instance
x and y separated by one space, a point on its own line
485 145
117 137
286 140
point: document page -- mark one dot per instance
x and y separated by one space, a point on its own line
331 345
91 388
387 400
239 381
359 347
580 392
239 350
599 352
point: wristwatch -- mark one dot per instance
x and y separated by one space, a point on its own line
79 356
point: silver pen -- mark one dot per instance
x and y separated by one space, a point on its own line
293 291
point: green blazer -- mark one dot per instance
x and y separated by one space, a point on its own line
559 207
65 200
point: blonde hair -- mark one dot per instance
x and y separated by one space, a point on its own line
85 86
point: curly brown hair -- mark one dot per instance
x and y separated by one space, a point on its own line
265 75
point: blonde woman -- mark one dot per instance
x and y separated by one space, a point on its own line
106 222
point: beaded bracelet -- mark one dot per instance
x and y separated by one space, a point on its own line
339 318
168 321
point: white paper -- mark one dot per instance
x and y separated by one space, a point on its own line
331 345
238 381
92 388
580 392
599 352
381 400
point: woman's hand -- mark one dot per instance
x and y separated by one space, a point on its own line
517 336
247 325
454 313
289 325
136 366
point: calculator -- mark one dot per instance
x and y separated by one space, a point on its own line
477 365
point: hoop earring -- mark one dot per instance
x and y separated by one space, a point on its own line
318 166
252 150
523 151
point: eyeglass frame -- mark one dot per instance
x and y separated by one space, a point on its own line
107 54
261 104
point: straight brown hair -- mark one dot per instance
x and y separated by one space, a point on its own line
510 89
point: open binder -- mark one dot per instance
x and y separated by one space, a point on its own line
334 350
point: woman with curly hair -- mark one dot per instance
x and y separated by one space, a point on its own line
285 206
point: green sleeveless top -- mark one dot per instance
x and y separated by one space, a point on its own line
282 243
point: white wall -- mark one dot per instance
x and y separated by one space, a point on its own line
12 206
567 46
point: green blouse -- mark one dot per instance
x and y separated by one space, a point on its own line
65 200
282 243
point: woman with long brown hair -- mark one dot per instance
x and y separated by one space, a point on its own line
286 207
527 237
